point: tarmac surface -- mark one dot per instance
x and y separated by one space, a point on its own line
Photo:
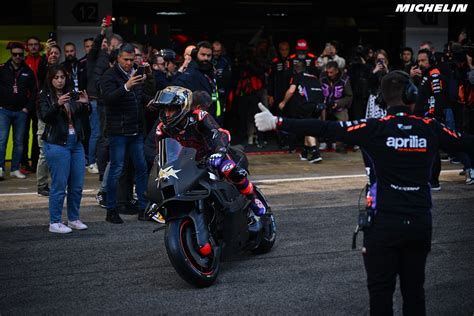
124 269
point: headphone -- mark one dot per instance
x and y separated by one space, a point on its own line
195 50
431 56
409 94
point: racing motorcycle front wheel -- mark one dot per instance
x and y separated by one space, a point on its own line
183 252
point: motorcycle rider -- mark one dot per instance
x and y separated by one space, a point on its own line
197 129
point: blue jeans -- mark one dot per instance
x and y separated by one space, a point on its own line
118 145
95 132
66 164
17 120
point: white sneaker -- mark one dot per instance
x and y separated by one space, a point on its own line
59 228
470 176
92 168
77 225
1 174
323 146
17 174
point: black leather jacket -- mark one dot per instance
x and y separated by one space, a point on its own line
56 119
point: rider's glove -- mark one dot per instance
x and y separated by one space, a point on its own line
265 121
216 159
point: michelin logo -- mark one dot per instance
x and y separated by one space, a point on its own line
431 7
412 143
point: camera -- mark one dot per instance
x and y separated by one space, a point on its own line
74 95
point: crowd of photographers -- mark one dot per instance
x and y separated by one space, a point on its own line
105 101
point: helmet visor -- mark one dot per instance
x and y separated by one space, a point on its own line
167 98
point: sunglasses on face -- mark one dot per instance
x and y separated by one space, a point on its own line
17 54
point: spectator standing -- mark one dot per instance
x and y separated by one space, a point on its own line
330 54
37 63
359 73
199 75
42 171
88 43
381 68
17 99
223 72
337 93
124 98
303 54
63 148
406 60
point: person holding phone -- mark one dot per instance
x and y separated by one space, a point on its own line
63 150
123 95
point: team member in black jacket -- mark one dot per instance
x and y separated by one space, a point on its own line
63 113
401 147
17 99
122 91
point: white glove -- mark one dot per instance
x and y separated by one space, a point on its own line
265 121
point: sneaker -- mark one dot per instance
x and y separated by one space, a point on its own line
315 157
257 207
92 168
470 176
444 157
59 228
158 218
17 174
1 174
323 146
26 169
101 198
455 161
113 217
77 225
304 154
435 187
43 191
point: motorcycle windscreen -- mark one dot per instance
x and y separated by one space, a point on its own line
176 179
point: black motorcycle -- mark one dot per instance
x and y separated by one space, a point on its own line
207 219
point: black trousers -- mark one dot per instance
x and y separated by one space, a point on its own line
397 245
34 149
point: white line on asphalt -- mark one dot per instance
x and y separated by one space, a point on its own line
266 181
348 176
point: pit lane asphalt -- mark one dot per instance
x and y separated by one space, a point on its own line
124 269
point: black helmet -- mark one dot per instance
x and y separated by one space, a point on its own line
167 54
174 97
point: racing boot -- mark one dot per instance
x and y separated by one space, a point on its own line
257 207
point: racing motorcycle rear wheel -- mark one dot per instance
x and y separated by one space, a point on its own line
183 252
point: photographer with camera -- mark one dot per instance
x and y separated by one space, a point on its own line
401 146
306 98
63 112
